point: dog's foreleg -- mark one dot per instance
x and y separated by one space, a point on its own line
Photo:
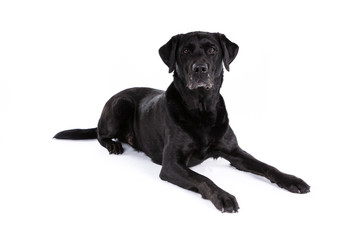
245 162
177 173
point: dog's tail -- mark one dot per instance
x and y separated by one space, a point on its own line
77 134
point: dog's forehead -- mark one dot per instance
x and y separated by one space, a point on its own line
199 38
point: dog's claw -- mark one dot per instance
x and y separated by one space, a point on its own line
225 202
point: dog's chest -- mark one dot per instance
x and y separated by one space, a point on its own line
200 149
203 138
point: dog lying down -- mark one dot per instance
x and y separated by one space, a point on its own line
186 124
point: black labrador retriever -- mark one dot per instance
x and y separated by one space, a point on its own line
186 124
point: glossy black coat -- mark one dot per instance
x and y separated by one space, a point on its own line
186 124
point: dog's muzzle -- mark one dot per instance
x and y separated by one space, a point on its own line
199 76
194 85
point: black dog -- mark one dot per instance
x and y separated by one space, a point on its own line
186 124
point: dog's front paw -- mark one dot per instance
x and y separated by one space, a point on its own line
224 202
292 184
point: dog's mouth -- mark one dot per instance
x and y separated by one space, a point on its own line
194 82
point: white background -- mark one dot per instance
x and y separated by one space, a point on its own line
292 95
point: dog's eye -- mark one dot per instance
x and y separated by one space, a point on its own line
186 51
212 50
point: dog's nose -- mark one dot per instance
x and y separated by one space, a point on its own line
200 67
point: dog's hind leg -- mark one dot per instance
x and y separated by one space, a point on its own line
112 145
115 125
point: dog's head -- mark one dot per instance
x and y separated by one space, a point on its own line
197 57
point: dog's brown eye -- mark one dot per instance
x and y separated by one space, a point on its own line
186 51
211 50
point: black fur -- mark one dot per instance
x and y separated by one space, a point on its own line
187 123
77 134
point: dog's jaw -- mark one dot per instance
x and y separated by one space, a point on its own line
206 82
202 95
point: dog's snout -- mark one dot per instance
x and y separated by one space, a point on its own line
200 67
200 76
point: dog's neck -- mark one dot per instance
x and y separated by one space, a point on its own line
195 110
200 99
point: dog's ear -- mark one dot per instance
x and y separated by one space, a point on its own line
230 50
168 52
